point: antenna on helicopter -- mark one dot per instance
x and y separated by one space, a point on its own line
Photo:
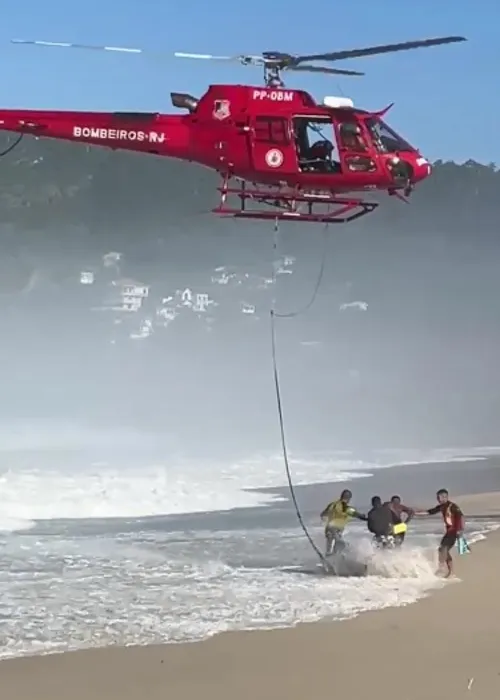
275 62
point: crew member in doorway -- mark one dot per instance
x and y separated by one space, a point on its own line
336 516
454 528
380 521
351 137
401 515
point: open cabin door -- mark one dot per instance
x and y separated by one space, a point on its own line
316 146
272 147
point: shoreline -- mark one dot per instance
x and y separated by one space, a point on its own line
443 643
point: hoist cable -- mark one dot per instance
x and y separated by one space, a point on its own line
277 386
12 146
319 279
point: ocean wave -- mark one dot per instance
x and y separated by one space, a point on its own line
100 490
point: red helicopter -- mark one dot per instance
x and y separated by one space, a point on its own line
272 146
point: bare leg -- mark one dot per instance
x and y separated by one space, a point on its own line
445 562
339 543
449 565
329 542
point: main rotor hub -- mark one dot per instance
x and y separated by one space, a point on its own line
272 76
274 62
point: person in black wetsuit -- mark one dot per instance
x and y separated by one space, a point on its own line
380 520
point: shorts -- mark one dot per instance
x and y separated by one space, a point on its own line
333 533
448 541
334 539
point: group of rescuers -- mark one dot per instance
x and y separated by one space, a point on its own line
388 522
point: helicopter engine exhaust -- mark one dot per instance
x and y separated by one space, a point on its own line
182 100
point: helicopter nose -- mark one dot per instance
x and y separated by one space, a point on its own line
422 168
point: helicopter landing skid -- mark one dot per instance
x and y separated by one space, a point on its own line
287 204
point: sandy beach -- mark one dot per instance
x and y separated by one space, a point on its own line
446 644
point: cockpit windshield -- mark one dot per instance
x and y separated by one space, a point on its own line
386 140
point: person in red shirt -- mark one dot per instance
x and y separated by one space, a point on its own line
454 526
398 509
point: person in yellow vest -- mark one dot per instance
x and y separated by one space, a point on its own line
335 517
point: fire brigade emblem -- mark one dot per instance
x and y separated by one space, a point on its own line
221 109
274 158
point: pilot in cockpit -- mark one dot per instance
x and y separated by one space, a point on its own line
352 140
351 136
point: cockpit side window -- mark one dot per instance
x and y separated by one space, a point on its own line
351 136
385 139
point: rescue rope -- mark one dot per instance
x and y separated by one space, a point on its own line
12 146
305 309
277 386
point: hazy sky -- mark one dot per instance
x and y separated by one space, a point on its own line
436 91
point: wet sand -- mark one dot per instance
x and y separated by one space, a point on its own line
445 645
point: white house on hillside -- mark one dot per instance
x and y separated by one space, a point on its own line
360 305
145 330
198 302
111 259
131 294
87 277
247 308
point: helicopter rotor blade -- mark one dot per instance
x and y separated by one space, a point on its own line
280 61
243 59
68 45
321 69
125 49
205 56
383 48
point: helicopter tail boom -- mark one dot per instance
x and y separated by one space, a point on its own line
144 132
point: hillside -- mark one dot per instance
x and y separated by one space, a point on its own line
403 334
45 182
